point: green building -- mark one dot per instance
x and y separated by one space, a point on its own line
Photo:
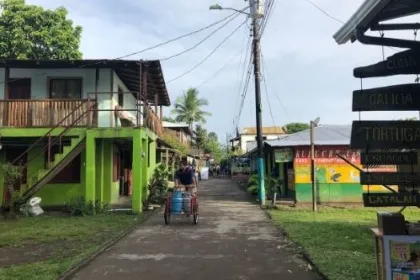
336 180
81 128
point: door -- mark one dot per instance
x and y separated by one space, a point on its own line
11 155
19 113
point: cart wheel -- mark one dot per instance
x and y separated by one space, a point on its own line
167 218
195 214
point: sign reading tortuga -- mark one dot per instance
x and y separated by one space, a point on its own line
392 98
373 135
406 62
390 199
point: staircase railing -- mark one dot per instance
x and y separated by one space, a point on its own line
16 160
54 141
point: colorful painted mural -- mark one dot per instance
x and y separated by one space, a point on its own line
333 175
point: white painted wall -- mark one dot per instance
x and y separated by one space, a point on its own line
251 138
40 87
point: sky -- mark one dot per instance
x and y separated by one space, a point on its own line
307 74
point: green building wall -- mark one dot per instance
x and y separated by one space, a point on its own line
96 182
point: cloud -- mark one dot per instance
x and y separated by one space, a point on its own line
305 69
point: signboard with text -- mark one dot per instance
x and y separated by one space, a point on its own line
373 135
392 98
390 199
389 178
388 158
402 63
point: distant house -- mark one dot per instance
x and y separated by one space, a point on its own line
249 134
180 130
336 180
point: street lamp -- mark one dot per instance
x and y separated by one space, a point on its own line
218 7
313 124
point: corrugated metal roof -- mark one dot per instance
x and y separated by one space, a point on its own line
171 124
323 134
265 130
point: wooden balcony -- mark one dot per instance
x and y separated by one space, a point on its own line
44 113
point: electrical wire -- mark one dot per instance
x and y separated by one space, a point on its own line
241 75
275 94
137 52
208 56
202 41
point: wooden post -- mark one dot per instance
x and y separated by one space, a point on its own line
161 112
144 96
156 104
112 95
139 92
167 157
6 96
95 103
313 168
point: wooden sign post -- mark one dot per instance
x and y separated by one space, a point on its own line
393 98
405 62
373 135
388 158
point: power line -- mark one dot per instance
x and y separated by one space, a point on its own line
323 11
208 56
275 94
202 41
241 75
137 52
219 71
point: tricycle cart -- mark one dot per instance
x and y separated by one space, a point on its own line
181 203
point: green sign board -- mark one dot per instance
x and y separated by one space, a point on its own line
283 155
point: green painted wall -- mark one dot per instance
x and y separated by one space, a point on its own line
328 193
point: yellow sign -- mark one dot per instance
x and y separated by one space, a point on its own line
400 251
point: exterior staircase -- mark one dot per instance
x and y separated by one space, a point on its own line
70 149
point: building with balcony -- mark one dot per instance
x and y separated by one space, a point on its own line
181 131
81 128
244 139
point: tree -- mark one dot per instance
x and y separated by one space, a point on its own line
212 136
30 32
188 108
296 127
200 137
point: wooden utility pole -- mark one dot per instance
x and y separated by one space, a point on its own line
313 167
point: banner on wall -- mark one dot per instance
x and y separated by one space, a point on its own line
283 155
330 169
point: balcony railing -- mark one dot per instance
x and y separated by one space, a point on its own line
51 112
43 113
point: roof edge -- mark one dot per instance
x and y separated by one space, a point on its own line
360 19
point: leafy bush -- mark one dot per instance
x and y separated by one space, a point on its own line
270 184
158 185
78 206
12 175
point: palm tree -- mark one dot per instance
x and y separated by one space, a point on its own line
188 108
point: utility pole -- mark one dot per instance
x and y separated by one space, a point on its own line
258 106
258 110
313 124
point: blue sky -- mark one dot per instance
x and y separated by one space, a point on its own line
308 75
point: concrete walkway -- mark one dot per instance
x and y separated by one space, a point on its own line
233 240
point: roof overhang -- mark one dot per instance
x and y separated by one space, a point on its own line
371 12
127 70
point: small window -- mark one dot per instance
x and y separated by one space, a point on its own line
66 88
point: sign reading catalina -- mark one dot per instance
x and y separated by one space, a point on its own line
392 98
388 158
373 135
389 178
402 63
390 199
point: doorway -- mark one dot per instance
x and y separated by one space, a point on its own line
19 89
